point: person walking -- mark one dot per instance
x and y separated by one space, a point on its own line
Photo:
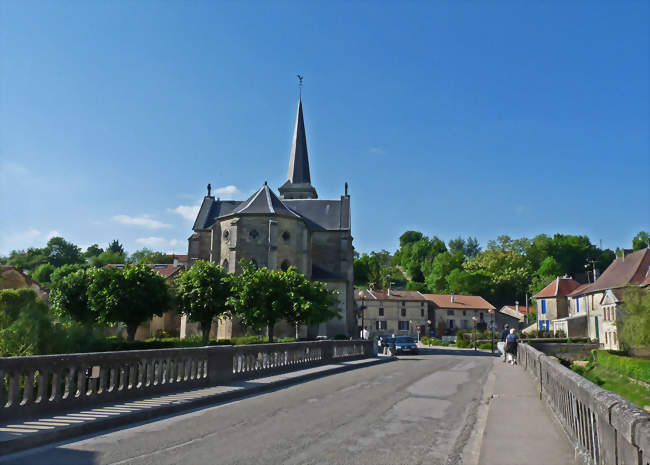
502 345
511 347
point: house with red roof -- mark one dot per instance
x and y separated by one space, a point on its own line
388 312
454 312
552 302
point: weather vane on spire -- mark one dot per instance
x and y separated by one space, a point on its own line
300 78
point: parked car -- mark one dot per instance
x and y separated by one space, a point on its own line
405 345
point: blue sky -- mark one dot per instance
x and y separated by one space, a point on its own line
453 118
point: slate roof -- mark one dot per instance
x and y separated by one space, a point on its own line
318 214
299 160
465 302
559 287
212 209
263 202
632 269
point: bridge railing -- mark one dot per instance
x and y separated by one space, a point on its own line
31 386
605 428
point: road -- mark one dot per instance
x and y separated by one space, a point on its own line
419 409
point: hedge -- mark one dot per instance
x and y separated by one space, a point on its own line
633 367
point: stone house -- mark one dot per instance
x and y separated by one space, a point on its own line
391 312
513 315
601 303
13 278
295 228
455 312
552 302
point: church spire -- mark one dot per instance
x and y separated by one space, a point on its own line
298 185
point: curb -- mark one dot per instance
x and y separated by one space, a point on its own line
101 424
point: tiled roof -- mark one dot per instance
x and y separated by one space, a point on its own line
631 269
395 295
460 301
180 258
559 287
579 290
522 309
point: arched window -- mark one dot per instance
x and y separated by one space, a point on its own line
224 265
285 265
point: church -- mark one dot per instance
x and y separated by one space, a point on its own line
294 228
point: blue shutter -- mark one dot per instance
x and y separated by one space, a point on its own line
543 306
546 325
577 305
541 323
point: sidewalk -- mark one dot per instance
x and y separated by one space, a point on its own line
20 435
520 428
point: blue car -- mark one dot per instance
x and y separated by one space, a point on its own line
404 345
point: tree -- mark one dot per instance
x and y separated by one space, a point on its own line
70 297
62 252
479 282
548 270
442 266
43 274
202 293
641 240
25 325
149 256
468 247
409 237
92 251
634 324
116 247
27 259
57 275
106 258
130 296
310 302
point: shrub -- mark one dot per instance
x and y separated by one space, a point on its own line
461 341
628 366
486 346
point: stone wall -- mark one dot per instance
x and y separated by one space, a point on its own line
605 428
565 351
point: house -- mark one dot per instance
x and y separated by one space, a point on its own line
451 312
292 228
552 302
513 315
601 302
13 278
178 260
388 312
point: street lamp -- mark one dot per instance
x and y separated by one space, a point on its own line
362 296
491 310
474 319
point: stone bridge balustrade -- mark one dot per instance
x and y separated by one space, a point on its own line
605 428
31 386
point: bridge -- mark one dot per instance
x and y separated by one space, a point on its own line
326 402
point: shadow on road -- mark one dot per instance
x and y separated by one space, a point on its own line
457 352
58 456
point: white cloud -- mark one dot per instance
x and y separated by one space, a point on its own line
144 221
227 192
51 234
188 212
158 242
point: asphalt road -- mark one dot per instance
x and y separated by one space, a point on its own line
420 409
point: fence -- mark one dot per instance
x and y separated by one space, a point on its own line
31 386
605 428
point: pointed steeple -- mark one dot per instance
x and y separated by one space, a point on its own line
298 185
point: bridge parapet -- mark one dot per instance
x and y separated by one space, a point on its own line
605 428
31 386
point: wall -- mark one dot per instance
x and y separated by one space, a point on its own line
416 311
605 428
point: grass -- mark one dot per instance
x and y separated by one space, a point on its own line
614 381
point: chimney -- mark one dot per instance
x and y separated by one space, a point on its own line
453 298
390 291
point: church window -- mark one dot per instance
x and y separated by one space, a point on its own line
285 265
286 236
253 234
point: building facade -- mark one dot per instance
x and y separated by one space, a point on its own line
294 228
451 312
389 312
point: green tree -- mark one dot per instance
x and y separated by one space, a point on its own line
92 251
634 324
468 247
42 274
641 241
25 325
309 302
548 270
58 274
106 258
149 256
409 237
441 267
202 293
131 296
27 259
116 247
479 282
62 252
70 297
